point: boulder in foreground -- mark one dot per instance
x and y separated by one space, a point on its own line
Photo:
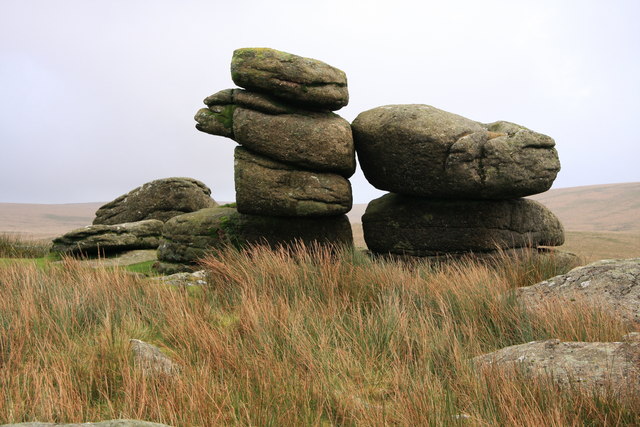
160 199
593 366
612 285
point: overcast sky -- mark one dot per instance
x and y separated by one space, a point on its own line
98 97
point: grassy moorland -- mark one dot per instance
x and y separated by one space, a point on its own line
309 337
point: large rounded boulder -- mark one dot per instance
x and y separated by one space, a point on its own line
304 81
422 151
160 199
423 227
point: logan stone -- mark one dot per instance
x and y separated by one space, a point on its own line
267 187
422 151
422 227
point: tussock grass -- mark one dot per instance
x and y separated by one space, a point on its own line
14 246
310 336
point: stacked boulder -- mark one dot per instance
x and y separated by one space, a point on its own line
295 154
456 185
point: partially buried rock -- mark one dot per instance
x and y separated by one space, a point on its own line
297 80
591 366
160 199
316 141
267 187
422 227
109 239
188 237
423 151
611 285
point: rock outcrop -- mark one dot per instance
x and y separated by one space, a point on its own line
592 366
160 199
422 151
422 227
291 171
108 239
611 285
456 183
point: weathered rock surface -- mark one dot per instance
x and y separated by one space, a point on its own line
316 141
111 423
310 140
267 187
184 279
420 150
151 360
589 365
298 80
160 199
188 237
108 239
422 227
612 285
250 100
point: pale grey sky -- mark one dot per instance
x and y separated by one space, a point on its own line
98 97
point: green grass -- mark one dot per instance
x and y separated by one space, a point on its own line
145 268
303 337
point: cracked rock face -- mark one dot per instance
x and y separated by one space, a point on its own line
406 225
297 80
267 187
422 151
588 365
109 239
160 199
612 285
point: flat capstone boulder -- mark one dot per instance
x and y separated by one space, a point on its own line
297 80
310 140
423 227
109 239
160 199
611 285
267 187
187 238
422 151
590 366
